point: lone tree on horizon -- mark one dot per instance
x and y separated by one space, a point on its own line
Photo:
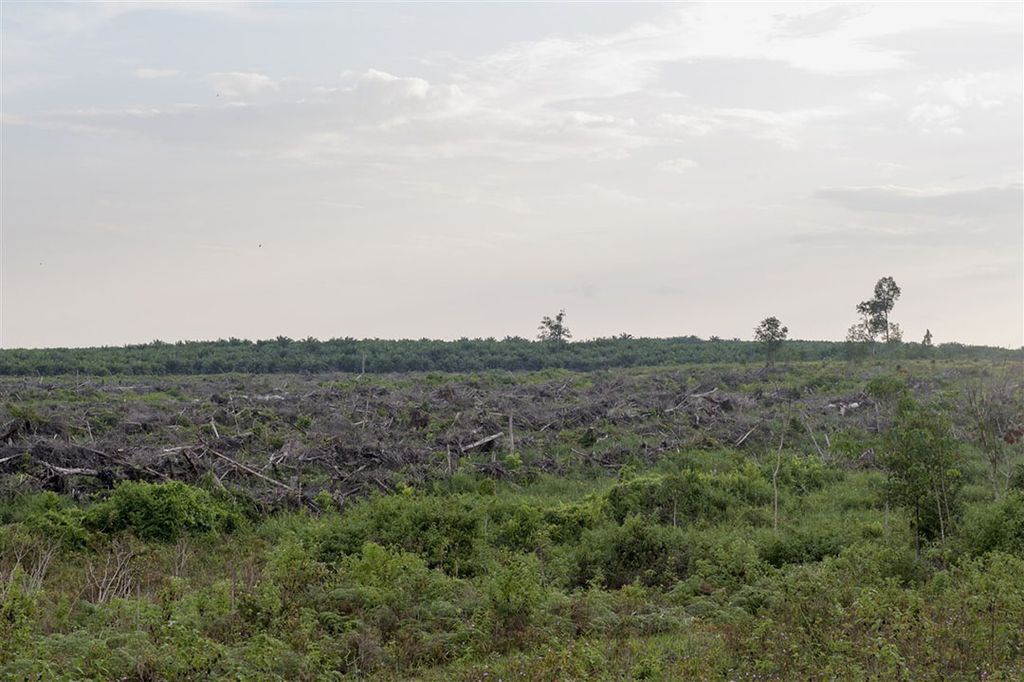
875 311
554 329
770 334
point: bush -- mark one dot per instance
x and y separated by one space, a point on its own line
887 388
802 474
48 515
636 551
998 526
566 522
393 603
162 511
446 532
804 545
687 496
514 594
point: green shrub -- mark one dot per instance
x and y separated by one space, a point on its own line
17 612
446 532
518 526
687 496
162 511
394 600
804 545
48 515
636 551
997 526
1016 481
886 388
566 522
514 593
801 474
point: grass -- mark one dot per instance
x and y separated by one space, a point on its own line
660 567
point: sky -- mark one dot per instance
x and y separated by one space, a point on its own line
201 171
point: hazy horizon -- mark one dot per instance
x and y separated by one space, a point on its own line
206 171
524 337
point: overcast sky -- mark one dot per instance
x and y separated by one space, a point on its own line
200 171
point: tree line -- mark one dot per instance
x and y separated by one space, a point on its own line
464 355
874 324
551 350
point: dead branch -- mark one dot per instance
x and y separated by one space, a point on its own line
482 441
62 471
744 437
250 470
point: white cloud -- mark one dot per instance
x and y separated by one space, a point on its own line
877 97
152 74
975 201
948 99
936 118
239 83
386 82
782 127
679 165
984 90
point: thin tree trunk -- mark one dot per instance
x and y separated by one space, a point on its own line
511 436
775 485
917 528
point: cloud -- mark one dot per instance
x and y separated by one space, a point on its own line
948 98
389 83
895 199
151 74
239 83
936 118
984 90
677 165
782 127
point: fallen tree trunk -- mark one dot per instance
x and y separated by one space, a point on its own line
482 441
252 471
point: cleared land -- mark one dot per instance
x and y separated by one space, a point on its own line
714 521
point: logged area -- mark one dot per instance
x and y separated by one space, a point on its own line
810 520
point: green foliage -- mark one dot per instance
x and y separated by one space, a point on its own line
887 389
1016 479
162 511
687 496
635 551
48 515
554 329
463 355
770 334
17 611
658 565
514 593
801 474
875 311
997 526
444 531
805 545
923 462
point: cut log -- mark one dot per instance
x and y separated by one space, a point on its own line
482 441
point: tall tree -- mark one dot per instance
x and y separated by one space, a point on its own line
554 329
927 342
770 334
875 311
